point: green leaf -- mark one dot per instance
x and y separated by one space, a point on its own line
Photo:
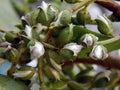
8 17
7 83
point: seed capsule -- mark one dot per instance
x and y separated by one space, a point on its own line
64 18
99 52
25 72
89 39
83 17
46 14
104 25
73 47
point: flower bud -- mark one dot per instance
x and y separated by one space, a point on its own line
73 47
12 55
64 18
104 25
37 50
66 53
65 35
83 16
89 39
25 72
46 14
10 36
99 52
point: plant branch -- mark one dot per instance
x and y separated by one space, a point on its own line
81 4
111 62
110 5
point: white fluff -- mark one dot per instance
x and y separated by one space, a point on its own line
99 52
37 50
28 31
90 39
33 63
74 47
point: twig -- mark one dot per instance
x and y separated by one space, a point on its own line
110 5
110 62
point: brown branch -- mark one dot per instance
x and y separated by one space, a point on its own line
110 5
110 62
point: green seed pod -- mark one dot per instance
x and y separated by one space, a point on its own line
52 11
102 79
72 1
104 25
51 73
65 35
74 20
65 17
46 14
12 55
83 17
66 53
10 36
68 69
25 72
59 85
75 85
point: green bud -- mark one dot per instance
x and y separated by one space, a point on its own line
25 72
24 21
46 14
65 35
104 25
66 53
75 85
74 20
12 55
72 1
102 79
64 18
51 73
10 36
69 70
83 17
59 85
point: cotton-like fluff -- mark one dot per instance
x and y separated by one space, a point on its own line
74 47
99 52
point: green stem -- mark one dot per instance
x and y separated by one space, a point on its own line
40 70
109 40
81 4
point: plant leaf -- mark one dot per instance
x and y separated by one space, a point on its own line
7 83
